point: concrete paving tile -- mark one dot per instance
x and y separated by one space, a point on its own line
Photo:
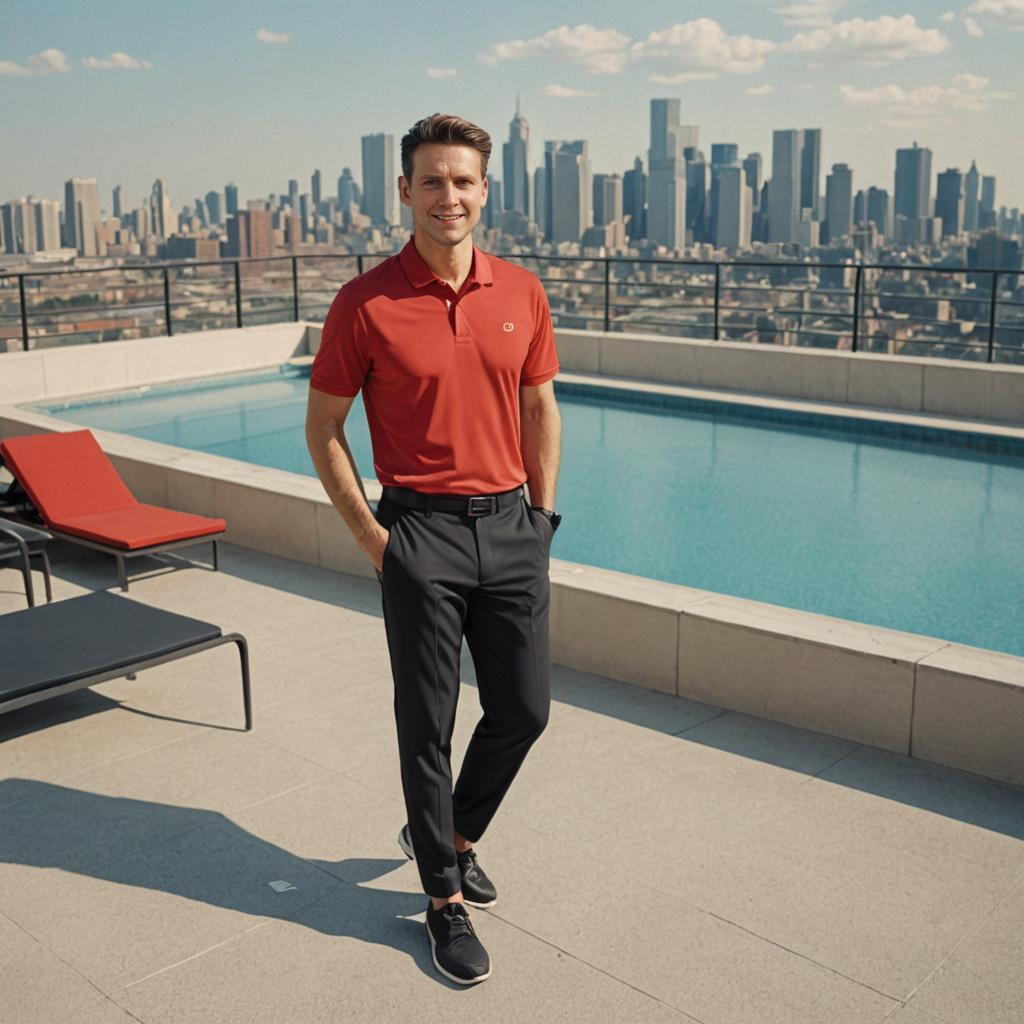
610 917
38 988
982 982
329 965
906 1014
131 916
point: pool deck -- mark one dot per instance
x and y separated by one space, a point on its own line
657 859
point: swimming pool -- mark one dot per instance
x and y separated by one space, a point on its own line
898 527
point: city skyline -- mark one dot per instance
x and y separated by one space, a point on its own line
873 76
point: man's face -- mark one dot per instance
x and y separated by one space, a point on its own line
447 192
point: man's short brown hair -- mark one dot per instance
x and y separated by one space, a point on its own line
445 130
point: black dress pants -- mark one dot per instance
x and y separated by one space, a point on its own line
446 575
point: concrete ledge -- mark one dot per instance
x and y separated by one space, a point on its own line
969 712
982 391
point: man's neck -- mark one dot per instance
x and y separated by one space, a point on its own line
450 263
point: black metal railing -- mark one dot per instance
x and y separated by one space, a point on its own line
943 312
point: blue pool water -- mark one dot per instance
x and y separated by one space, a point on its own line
913 533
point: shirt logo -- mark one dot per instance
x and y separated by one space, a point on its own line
507 326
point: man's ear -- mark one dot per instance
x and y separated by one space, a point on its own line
403 187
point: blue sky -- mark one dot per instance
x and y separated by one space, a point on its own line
258 92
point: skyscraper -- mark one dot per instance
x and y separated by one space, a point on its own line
348 190
971 208
540 200
568 189
666 196
316 184
117 201
634 200
163 216
785 192
949 201
752 170
723 153
231 199
81 215
810 171
839 203
380 193
913 189
215 207
987 211
698 212
730 207
516 160
878 211
607 198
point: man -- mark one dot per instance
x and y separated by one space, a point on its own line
455 355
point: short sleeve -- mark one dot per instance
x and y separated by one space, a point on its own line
342 361
542 358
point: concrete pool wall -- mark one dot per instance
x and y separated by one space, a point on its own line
923 696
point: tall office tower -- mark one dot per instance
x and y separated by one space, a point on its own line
380 193
730 207
860 208
878 211
540 200
348 190
19 228
47 218
810 171
214 207
293 195
839 203
117 201
516 158
81 215
987 211
698 211
201 213
723 153
230 199
490 216
634 200
251 233
666 189
949 201
971 209
163 216
567 189
913 190
752 170
607 198
785 193
315 185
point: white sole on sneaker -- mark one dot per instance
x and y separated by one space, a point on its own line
407 850
451 977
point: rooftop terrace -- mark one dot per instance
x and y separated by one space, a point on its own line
658 859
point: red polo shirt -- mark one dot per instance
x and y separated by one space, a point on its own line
440 372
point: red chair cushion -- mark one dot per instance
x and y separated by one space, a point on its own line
141 526
66 474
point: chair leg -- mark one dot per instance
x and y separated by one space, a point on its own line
122 575
216 562
45 558
243 655
26 575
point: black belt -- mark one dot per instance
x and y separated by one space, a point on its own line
466 505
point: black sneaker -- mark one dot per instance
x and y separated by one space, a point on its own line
477 889
458 954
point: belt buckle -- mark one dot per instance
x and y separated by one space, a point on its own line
490 504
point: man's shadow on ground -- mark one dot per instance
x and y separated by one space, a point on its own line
205 857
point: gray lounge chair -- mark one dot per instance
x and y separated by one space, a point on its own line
22 543
69 645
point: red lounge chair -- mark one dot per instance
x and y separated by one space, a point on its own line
79 497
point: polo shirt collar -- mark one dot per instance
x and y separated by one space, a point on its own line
420 275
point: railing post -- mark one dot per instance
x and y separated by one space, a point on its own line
238 293
167 301
607 294
857 278
24 312
992 315
295 287
718 287
359 263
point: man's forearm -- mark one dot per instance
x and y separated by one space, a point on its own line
339 474
541 447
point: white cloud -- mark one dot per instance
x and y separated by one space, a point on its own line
1004 13
564 92
117 59
973 28
264 35
878 41
46 62
602 51
759 90
441 72
808 13
682 76
947 16
897 106
701 49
